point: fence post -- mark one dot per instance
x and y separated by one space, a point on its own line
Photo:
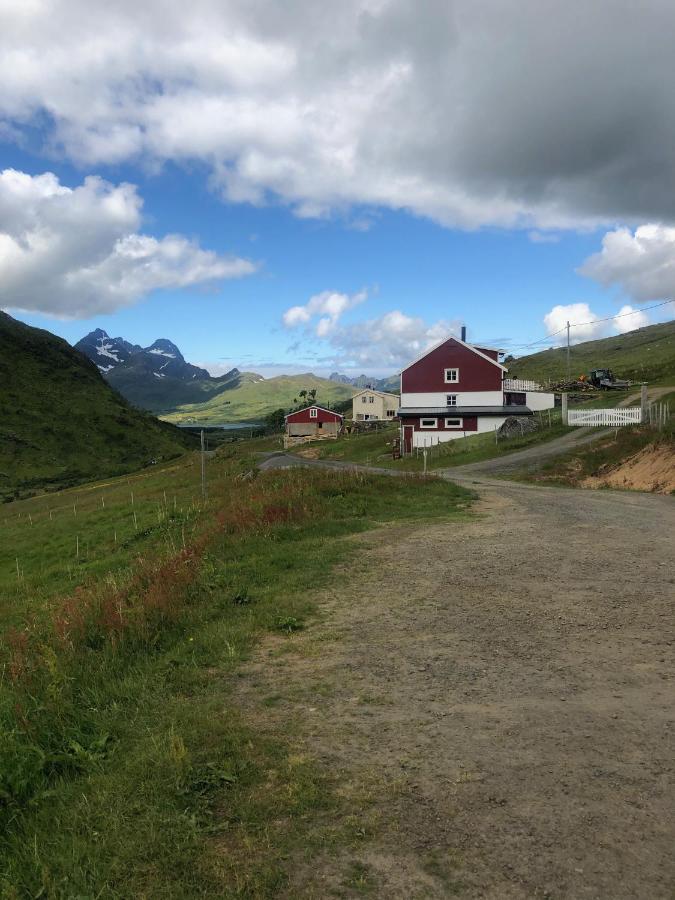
564 409
643 403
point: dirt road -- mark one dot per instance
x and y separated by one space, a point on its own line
500 692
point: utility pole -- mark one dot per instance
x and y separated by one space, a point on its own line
568 351
203 467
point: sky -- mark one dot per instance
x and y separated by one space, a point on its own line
296 186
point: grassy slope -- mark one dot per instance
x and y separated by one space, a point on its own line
60 423
126 767
570 469
252 402
375 448
647 354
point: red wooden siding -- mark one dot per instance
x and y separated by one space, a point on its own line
428 375
322 415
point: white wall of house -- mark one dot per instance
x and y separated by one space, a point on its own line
539 400
429 438
464 398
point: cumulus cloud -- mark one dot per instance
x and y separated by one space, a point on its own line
470 112
322 311
587 326
629 319
641 263
380 344
578 314
387 342
76 252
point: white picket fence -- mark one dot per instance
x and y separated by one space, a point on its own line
631 415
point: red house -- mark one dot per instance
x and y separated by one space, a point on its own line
456 389
312 424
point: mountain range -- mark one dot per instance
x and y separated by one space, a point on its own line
391 383
157 378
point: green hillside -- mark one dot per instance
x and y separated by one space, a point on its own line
61 423
252 402
647 354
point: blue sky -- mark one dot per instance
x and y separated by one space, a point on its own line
403 241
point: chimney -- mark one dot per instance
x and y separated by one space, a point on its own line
464 333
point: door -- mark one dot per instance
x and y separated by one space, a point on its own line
407 438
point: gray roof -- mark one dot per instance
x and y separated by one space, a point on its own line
452 411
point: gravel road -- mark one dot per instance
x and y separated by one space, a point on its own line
501 693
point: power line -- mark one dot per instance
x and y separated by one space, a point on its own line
548 337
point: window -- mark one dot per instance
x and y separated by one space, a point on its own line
371 399
391 413
451 400
451 376
313 412
428 423
454 423
364 399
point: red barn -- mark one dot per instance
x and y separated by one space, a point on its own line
313 423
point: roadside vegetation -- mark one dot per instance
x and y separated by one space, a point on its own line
636 457
375 448
126 766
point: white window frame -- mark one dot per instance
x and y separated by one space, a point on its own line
371 399
364 399
433 421
391 413
451 399
457 422
313 413
451 376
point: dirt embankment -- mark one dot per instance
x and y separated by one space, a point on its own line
651 469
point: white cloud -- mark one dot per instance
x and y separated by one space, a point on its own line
630 319
642 263
579 314
381 345
388 342
543 237
323 311
76 252
587 325
431 108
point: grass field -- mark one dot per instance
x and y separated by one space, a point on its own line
252 402
375 449
126 767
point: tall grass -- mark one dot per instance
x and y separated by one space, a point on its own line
120 754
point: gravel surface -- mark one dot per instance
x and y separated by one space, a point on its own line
501 693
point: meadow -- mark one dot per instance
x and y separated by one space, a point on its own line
127 767
253 401
375 448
